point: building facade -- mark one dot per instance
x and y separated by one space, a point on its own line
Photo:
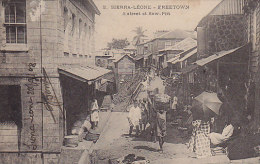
38 37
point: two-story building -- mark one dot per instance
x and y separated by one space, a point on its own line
164 41
46 79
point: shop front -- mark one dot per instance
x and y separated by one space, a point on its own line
80 86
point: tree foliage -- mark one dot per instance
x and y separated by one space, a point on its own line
139 35
118 43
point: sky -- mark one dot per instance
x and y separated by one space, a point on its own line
112 23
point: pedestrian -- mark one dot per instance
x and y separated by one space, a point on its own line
134 117
94 114
144 114
161 126
174 103
200 142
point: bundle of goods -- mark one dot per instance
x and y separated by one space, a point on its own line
129 159
162 101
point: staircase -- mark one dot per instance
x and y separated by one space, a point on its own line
124 95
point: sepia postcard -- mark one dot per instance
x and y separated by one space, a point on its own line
129 81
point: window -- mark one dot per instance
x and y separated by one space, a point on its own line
80 28
66 54
73 24
168 44
15 22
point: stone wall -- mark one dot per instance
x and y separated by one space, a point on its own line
225 32
21 65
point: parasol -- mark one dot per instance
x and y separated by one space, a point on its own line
208 101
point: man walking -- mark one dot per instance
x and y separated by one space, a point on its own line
134 118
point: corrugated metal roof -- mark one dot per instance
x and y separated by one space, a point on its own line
121 57
228 7
188 55
138 57
189 68
225 7
174 60
218 55
183 45
84 73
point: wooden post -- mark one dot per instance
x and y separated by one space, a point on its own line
217 76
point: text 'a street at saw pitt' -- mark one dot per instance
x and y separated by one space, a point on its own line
146 13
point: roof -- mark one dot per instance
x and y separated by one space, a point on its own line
120 58
93 5
218 55
176 34
84 74
224 7
174 59
183 45
138 57
116 57
188 55
104 56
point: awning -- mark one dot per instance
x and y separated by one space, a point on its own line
173 60
160 55
146 56
189 68
218 55
84 74
188 55
138 57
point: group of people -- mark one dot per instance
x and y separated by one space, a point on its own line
143 112
91 121
204 138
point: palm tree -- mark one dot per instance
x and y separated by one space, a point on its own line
139 35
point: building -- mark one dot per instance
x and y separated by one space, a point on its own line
164 40
124 69
251 11
171 53
41 42
130 50
102 60
223 55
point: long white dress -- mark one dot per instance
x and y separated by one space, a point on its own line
94 115
134 116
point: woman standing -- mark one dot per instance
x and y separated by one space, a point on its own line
200 142
94 114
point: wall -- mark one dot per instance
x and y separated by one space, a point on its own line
126 66
42 119
225 32
102 61
254 36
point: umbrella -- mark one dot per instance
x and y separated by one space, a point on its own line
209 101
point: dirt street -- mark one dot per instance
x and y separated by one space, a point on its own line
114 142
